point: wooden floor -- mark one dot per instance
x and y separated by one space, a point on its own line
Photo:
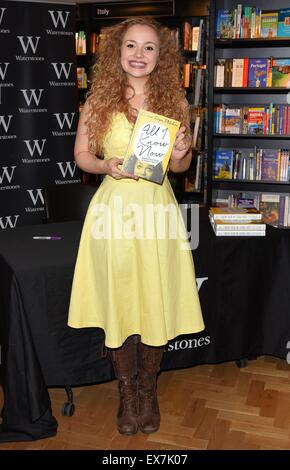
204 407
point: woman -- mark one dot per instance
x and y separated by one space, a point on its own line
139 289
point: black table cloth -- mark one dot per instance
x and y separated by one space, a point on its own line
244 296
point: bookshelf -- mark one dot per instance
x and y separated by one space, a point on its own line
189 186
270 136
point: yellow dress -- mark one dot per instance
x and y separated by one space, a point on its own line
133 275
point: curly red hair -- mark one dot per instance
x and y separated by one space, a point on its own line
164 92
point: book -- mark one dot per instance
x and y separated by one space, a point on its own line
150 146
233 120
281 73
284 23
255 120
269 24
224 24
194 38
269 207
237 226
235 213
192 180
223 164
238 73
187 39
270 165
257 73
244 233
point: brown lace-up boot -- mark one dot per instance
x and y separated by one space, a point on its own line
149 359
125 365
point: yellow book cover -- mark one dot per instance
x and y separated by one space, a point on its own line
150 146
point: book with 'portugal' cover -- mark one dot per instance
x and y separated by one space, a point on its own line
150 146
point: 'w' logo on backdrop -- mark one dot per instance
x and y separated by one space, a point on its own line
65 119
29 42
59 16
33 95
35 195
3 70
8 222
62 68
35 146
30 94
1 14
5 122
67 167
6 174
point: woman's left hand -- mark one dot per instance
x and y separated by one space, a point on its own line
181 145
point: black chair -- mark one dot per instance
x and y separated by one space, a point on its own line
64 202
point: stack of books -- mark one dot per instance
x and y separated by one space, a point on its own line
237 222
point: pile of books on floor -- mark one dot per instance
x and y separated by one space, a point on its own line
237 222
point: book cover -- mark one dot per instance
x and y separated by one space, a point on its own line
284 23
225 24
257 73
270 165
233 121
281 73
238 73
150 146
269 207
223 164
269 24
256 120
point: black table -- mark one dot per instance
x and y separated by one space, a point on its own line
244 292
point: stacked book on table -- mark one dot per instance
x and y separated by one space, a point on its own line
237 222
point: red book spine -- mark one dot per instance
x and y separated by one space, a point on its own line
245 72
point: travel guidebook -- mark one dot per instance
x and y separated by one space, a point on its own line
150 146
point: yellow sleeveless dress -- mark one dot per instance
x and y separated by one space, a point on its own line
126 282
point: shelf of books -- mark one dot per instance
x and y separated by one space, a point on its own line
192 44
249 105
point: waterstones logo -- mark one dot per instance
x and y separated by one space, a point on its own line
29 44
35 148
62 71
3 72
5 121
67 168
32 96
193 343
2 13
59 19
64 120
36 197
3 69
6 176
9 221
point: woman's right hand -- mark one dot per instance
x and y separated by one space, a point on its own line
112 168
